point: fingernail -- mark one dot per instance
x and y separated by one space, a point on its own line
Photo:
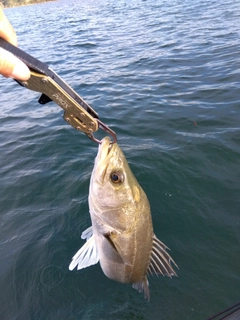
20 71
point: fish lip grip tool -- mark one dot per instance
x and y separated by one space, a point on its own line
43 79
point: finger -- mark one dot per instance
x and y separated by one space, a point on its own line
11 66
6 30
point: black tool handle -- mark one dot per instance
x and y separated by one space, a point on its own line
30 61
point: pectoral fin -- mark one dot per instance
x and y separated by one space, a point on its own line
112 239
160 260
87 255
86 234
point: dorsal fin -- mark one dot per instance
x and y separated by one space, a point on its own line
160 260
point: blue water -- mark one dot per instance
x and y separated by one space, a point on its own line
165 76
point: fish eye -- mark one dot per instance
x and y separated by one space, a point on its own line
117 177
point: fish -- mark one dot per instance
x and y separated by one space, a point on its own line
121 237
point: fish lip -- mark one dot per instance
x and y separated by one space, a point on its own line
105 148
110 148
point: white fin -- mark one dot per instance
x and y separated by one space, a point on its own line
142 286
86 256
160 260
87 233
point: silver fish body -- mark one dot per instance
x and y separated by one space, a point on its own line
121 237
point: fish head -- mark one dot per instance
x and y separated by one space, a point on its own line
113 184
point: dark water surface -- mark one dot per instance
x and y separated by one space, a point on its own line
165 76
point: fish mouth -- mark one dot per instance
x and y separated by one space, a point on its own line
110 147
105 148
105 151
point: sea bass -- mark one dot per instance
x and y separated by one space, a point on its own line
121 237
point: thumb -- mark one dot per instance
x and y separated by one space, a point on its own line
12 67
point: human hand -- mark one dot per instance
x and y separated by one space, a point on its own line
10 66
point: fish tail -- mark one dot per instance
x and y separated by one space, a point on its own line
143 286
